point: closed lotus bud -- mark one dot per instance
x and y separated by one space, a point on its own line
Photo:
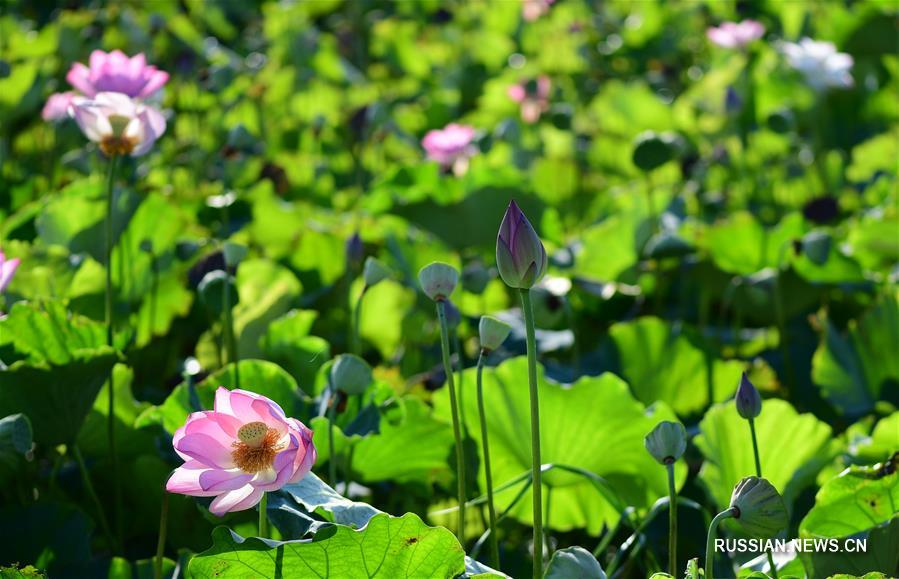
350 374
355 251
749 402
453 315
520 255
493 332
667 441
758 507
234 253
438 280
374 272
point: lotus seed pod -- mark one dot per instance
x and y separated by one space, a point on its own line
234 253
667 441
493 332
749 402
520 255
211 289
350 374
374 271
759 508
438 280
475 278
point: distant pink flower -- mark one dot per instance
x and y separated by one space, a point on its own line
243 448
7 270
121 125
57 106
533 96
820 63
116 72
533 9
736 34
451 146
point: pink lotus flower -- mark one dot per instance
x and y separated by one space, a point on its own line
736 34
57 107
7 270
115 72
533 96
243 448
451 146
533 9
121 125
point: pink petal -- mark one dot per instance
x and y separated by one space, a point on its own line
186 480
206 449
78 78
156 81
236 500
217 480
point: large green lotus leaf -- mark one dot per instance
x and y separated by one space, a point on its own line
46 534
609 249
121 568
854 501
259 376
130 442
267 291
874 242
881 555
662 364
46 332
742 245
321 253
793 447
388 547
160 308
594 424
287 342
412 445
854 369
383 310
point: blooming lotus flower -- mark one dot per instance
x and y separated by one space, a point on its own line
120 124
57 107
520 255
451 146
7 270
533 96
820 63
243 448
116 72
736 34
533 9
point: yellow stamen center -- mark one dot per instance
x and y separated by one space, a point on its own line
256 448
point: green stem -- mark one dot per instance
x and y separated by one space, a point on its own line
672 521
263 516
491 508
758 473
110 419
650 206
710 541
457 430
535 430
163 527
457 344
356 344
228 323
332 458
92 494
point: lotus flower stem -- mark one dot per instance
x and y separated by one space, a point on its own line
457 344
457 430
672 521
263 516
332 453
710 541
758 473
356 343
650 205
92 494
535 430
491 508
163 528
110 418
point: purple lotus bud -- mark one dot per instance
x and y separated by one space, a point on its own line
355 251
749 402
438 280
732 101
520 255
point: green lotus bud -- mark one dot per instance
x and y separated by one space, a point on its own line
374 271
234 253
652 150
211 290
758 507
350 374
749 402
816 246
438 280
493 332
520 255
666 442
